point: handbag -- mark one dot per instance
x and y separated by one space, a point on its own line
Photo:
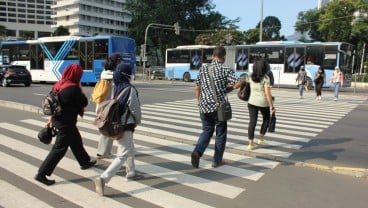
224 111
244 91
272 126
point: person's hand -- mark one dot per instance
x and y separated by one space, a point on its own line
50 122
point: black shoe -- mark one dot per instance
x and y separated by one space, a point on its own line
44 180
195 159
91 163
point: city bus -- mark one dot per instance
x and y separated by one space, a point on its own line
285 58
47 57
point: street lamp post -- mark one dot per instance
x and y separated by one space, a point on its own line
261 23
177 32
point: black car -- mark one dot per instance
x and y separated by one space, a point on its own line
15 74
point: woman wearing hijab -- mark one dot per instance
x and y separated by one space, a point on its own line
72 102
130 111
260 100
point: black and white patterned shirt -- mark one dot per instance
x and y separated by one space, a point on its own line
223 76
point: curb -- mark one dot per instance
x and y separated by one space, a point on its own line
343 170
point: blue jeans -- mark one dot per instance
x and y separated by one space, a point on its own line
336 89
209 123
301 88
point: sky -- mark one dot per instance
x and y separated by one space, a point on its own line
249 12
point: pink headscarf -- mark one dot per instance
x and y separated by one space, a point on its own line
71 76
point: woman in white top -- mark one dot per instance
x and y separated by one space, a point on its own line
260 100
337 79
105 144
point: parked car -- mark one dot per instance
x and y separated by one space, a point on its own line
15 74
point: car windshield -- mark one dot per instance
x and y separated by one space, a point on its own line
17 69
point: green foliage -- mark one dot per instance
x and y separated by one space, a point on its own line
27 35
308 21
61 31
223 37
2 30
271 27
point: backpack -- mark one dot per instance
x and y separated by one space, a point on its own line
101 91
108 119
50 104
244 91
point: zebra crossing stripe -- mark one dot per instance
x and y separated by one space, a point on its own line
135 189
68 190
246 174
8 199
192 181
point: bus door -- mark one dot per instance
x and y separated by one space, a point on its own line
86 55
294 59
37 57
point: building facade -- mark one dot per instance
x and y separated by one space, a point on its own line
39 18
91 17
31 18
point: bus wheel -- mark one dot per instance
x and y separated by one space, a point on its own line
186 77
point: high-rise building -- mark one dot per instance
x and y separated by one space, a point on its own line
322 3
92 17
26 17
80 17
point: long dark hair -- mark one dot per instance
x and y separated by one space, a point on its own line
112 62
260 69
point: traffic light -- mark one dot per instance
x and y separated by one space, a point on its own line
177 28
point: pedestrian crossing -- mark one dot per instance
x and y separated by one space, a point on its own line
163 144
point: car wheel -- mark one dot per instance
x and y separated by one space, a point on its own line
27 84
4 83
186 77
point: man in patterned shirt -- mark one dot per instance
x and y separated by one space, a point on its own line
223 79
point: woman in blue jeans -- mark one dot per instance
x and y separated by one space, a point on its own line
260 100
337 79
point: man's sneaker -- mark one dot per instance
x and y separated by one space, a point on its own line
260 141
91 163
251 147
335 99
100 186
195 159
134 177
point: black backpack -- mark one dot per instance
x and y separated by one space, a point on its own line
108 119
244 91
51 105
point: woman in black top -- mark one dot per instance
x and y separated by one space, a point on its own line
72 102
319 81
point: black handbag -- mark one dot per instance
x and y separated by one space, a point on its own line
272 126
224 111
45 135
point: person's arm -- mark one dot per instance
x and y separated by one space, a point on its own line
341 79
197 90
269 98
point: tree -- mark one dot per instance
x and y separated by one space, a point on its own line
223 37
308 21
194 18
27 35
271 27
251 36
336 18
2 31
61 31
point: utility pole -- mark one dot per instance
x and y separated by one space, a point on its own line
177 32
261 23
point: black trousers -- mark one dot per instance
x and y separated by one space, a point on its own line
68 136
253 117
318 87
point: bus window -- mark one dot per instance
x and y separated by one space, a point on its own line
101 47
330 57
195 59
242 59
53 48
315 55
294 59
207 56
178 56
73 53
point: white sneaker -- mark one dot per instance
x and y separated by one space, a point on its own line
301 97
319 97
335 99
